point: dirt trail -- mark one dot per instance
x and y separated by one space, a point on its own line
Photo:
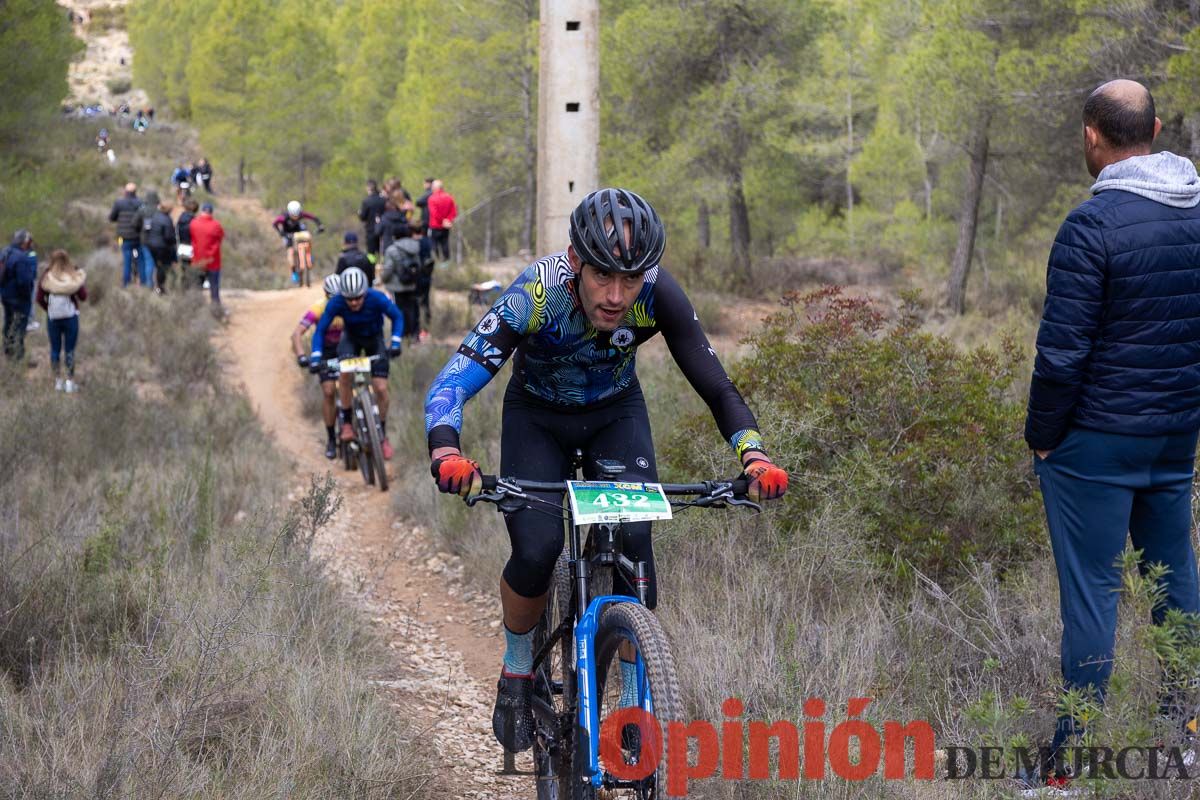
444 638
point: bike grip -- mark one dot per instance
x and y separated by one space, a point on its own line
489 483
740 487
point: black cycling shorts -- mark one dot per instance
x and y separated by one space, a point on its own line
537 443
349 347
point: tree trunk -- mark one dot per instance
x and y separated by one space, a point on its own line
739 227
704 226
968 216
242 175
849 155
1192 123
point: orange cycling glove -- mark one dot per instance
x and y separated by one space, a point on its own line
767 481
457 474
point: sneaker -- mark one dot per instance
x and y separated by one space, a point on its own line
70 387
32 325
58 384
512 718
296 278
331 449
206 283
386 447
347 434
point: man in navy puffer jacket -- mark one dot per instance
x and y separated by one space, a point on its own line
1114 404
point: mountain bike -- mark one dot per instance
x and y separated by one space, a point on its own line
365 451
586 631
302 258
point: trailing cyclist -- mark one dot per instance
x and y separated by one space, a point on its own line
362 310
287 225
326 377
574 321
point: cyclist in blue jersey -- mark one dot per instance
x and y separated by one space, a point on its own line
362 310
572 323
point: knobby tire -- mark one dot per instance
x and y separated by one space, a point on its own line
636 624
375 439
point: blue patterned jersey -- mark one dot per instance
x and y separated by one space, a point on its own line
561 359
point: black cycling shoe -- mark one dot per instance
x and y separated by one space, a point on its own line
512 718
631 743
331 449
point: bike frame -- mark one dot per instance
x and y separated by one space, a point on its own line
606 542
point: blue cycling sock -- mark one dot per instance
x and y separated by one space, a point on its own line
629 687
518 654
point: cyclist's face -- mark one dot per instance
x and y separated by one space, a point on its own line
607 296
356 303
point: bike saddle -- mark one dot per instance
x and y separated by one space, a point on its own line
608 467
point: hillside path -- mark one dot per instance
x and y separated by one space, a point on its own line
443 638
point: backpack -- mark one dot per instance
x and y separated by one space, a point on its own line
409 264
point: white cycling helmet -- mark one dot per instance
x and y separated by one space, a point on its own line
354 283
333 284
294 208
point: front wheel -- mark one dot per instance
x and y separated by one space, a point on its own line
633 628
365 465
374 440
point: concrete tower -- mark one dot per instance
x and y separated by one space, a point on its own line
568 115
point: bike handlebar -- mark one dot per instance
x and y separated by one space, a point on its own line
509 493
335 362
737 486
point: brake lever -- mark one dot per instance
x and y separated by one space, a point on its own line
485 497
734 501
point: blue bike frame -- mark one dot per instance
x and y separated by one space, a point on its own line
585 680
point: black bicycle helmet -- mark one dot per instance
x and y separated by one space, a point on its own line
596 232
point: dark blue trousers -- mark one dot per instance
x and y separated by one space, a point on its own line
1098 489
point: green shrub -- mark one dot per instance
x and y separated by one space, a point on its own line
107 17
119 85
894 428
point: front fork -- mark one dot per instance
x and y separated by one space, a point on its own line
606 547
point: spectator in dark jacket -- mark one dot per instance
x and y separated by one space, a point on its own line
393 225
127 213
353 257
373 206
18 275
160 238
1114 404
423 204
184 246
204 173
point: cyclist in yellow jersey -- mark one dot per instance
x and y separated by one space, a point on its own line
328 378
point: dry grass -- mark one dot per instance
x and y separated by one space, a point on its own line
164 629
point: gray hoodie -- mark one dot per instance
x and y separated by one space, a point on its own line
1162 177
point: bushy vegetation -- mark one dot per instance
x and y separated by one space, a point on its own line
164 627
36 47
899 428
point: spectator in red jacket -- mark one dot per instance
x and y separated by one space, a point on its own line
442 212
207 235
